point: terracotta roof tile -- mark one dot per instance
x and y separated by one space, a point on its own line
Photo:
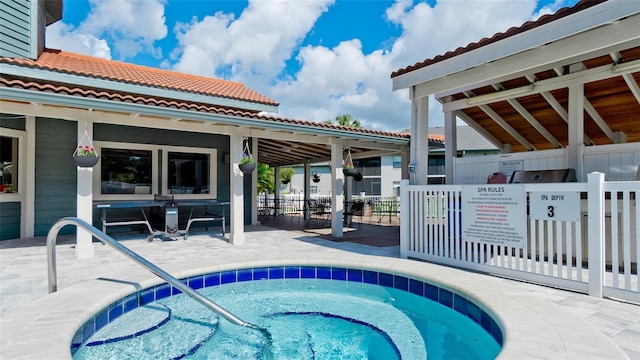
33 85
545 19
82 65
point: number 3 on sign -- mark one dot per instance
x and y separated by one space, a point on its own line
551 211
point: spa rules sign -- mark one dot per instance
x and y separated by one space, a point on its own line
494 214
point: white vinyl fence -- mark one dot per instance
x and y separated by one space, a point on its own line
593 248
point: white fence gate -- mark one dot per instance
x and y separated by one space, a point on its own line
596 254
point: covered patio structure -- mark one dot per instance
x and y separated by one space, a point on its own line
560 93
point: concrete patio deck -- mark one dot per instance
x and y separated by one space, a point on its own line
540 322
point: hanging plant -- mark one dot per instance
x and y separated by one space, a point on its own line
85 155
357 176
347 166
316 178
247 163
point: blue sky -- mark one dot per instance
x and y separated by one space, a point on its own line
318 58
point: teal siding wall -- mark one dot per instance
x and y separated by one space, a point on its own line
55 183
15 29
9 220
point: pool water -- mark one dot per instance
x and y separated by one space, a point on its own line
308 319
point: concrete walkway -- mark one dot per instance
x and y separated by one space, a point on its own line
540 322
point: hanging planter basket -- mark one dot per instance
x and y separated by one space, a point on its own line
247 164
357 177
85 161
247 168
316 178
349 172
85 155
347 166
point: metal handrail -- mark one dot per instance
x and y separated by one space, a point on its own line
106 239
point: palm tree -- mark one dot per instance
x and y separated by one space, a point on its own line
345 120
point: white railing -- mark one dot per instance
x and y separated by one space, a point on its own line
556 253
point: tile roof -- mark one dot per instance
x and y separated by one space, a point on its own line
93 93
82 65
545 19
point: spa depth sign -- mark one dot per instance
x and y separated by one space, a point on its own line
494 214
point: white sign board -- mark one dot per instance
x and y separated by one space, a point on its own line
494 214
555 205
508 167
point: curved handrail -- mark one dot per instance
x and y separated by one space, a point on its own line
106 239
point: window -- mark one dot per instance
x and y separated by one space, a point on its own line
8 164
189 173
397 162
126 171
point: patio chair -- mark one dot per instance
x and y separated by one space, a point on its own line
354 208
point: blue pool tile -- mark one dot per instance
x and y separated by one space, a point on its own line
485 321
460 304
196 282
175 290
227 277
163 291
496 332
473 312
445 297
276 273
431 292
308 272
245 275
385 280
354 275
115 311
102 319
370 277
339 273
416 287
212 279
147 296
292 272
88 329
130 303
401 283
260 274
324 273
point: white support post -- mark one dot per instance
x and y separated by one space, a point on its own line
236 234
30 176
575 148
595 208
404 219
420 140
450 146
254 183
307 188
337 189
404 160
276 190
84 198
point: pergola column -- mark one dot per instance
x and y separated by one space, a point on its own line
337 189
450 146
420 140
84 198
236 235
575 147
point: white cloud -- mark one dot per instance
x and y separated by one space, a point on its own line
342 80
253 47
64 36
132 25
